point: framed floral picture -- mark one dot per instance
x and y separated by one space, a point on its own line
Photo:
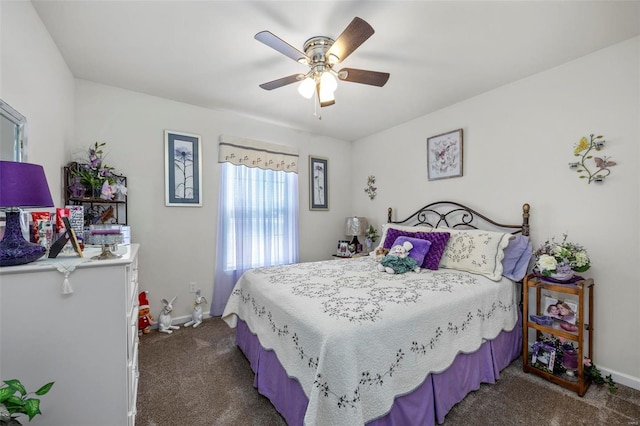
318 183
444 155
182 169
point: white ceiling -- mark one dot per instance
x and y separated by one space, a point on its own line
438 53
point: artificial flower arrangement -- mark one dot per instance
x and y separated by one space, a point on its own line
371 235
96 176
563 347
562 258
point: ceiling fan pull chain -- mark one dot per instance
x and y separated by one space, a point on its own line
316 114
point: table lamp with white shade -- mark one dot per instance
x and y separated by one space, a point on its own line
355 227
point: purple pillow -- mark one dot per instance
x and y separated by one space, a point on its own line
419 250
393 234
516 258
438 244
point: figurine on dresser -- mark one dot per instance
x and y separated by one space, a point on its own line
196 314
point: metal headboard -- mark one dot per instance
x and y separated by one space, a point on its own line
455 215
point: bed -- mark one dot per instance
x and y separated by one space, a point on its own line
339 342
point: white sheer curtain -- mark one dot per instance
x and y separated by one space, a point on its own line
257 226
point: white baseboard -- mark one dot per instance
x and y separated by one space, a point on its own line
623 379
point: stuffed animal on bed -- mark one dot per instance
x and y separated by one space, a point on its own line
398 261
379 253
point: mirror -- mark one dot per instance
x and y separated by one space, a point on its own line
13 134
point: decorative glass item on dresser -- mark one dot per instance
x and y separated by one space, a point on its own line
21 185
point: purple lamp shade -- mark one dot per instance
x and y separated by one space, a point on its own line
21 185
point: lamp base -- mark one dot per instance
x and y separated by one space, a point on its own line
357 247
14 249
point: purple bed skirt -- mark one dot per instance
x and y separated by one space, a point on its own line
426 405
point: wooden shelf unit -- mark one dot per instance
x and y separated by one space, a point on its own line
94 207
583 337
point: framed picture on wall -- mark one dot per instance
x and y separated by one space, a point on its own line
444 155
182 169
318 183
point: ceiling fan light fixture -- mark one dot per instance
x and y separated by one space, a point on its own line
328 82
326 96
307 87
321 54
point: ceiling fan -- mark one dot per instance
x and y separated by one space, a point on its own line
321 54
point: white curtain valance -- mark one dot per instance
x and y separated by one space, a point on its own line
250 153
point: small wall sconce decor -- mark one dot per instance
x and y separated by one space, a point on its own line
371 189
582 150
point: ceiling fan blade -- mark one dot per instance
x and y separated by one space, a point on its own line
374 78
280 45
353 36
282 81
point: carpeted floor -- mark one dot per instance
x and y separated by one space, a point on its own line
198 377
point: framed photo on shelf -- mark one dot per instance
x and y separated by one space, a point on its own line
564 310
343 249
182 169
444 155
544 356
318 183
550 307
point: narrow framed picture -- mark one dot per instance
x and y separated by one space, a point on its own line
444 155
182 169
318 183
544 356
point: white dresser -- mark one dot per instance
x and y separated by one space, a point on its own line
85 341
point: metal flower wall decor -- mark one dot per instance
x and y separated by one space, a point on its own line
371 189
583 150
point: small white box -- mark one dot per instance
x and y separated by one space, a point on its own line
126 235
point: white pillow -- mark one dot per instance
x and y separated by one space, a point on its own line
476 251
386 226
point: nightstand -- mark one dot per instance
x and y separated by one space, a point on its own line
539 359
353 256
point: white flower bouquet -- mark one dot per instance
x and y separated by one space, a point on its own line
562 258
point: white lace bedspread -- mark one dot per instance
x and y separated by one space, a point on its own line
355 337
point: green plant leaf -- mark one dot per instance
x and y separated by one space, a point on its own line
32 407
13 401
46 388
5 393
15 385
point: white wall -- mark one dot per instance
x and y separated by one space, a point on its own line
35 80
178 243
518 138
518 141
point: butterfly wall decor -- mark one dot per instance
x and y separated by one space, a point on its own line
582 150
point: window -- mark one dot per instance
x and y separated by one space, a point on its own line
257 224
